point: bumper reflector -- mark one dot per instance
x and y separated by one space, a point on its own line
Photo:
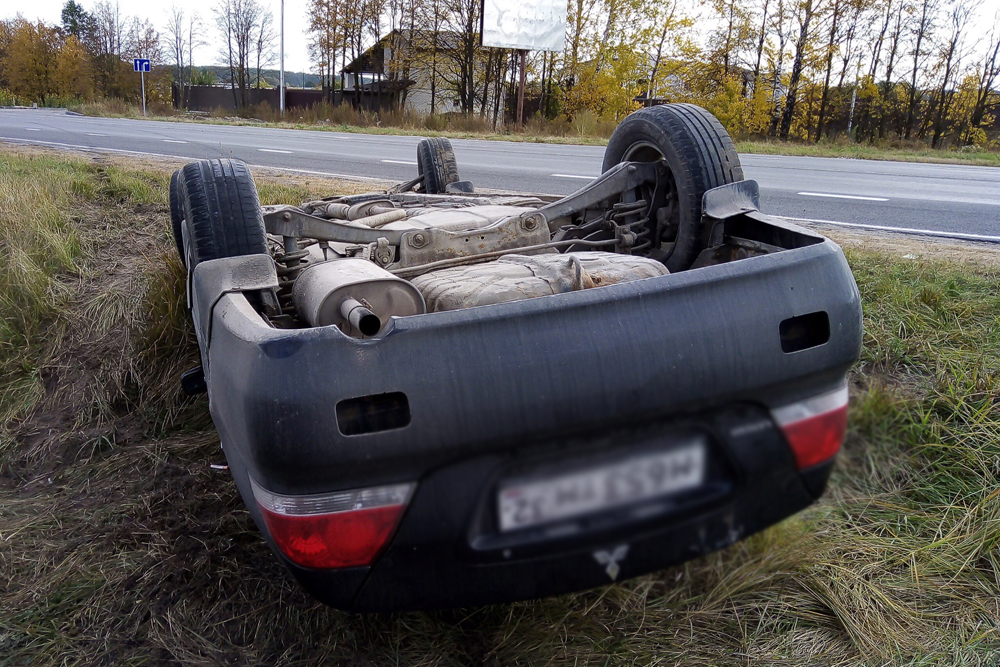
332 530
815 427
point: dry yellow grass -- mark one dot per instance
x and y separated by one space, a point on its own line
119 544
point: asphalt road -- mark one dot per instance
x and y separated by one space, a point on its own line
950 199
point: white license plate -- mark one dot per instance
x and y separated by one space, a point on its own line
638 478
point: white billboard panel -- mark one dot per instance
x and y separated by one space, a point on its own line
535 25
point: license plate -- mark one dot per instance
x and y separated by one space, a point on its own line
638 478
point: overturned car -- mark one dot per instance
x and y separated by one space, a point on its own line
434 397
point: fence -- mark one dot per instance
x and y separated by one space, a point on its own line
208 98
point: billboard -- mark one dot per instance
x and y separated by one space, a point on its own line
533 25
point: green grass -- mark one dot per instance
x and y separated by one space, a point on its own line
120 544
979 157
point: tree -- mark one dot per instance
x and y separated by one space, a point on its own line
194 39
325 41
74 75
239 22
921 34
951 53
76 21
263 44
177 45
459 68
836 16
985 78
805 14
30 59
109 32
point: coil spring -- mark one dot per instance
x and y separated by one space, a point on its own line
638 229
288 265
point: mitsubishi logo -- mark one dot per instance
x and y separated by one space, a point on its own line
610 559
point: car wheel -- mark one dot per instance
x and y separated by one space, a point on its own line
699 155
221 210
177 214
436 163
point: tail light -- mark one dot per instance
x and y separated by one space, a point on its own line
815 427
331 530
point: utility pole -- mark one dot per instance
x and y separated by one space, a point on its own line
281 76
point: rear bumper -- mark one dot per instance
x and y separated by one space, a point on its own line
483 385
448 552
479 380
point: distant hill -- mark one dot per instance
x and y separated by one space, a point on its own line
212 74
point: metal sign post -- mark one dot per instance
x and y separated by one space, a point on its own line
281 81
528 25
141 65
520 90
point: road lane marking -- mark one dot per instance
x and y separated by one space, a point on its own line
33 129
274 150
833 196
903 230
174 141
95 134
100 149
586 178
412 164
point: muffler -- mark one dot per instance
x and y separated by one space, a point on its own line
355 295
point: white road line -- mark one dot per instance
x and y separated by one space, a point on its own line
586 178
330 174
33 129
827 194
904 230
412 164
174 141
274 150
95 134
98 149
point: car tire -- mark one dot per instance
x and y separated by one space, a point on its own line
177 214
700 156
436 163
221 210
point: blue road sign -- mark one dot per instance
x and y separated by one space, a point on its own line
140 64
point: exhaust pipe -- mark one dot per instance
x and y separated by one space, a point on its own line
360 317
354 294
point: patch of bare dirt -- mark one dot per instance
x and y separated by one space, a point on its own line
911 246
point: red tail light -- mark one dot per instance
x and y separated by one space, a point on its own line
331 530
815 427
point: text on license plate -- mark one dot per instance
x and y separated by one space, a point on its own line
642 477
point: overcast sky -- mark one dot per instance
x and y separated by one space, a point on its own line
296 24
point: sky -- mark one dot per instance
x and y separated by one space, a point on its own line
296 23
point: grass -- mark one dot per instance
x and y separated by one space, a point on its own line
585 130
897 153
119 543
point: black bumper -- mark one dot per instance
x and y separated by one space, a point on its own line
489 386
449 553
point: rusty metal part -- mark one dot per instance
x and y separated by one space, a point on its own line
337 210
382 219
517 277
411 271
360 317
322 289
292 221
435 244
368 208
599 193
